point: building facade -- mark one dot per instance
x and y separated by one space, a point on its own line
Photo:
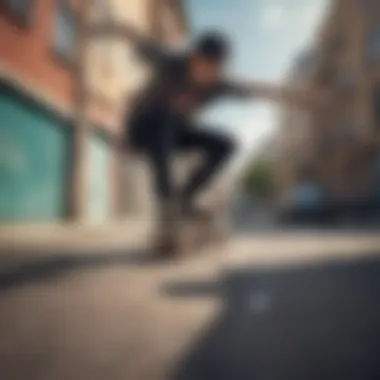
38 95
295 142
345 133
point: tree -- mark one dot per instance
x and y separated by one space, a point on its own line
258 180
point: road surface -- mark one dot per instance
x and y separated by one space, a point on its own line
283 307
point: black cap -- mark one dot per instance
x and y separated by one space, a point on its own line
213 45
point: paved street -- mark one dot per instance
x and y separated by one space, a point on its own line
274 306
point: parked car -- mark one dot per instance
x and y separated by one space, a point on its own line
307 204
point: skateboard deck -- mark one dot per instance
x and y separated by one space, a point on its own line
186 237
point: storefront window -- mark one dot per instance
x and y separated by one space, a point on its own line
64 30
19 10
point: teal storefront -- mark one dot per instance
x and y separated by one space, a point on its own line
34 160
99 200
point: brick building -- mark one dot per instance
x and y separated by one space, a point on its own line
38 95
295 142
345 133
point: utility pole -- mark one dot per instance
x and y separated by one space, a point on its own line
80 180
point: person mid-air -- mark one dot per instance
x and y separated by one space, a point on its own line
161 121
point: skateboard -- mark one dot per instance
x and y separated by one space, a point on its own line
186 237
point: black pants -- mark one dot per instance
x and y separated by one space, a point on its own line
160 136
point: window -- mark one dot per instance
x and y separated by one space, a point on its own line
348 130
102 12
373 45
327 145
326 75
64 30
19 10
369 4
376 106
347 79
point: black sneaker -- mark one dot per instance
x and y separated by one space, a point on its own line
200 214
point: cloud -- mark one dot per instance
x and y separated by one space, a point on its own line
273 17
278 16
308 14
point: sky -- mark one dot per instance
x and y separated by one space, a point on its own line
266 36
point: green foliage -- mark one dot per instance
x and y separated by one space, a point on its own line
258 179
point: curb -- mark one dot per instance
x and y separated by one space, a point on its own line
72 237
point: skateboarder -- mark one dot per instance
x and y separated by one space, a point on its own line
162 119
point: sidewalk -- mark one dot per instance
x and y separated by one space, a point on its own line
78 237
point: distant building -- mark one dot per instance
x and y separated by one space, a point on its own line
347 130
295 138
38 42
344 148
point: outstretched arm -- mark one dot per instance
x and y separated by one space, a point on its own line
276 93
272 92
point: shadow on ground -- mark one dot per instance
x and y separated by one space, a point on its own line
317 322
58 264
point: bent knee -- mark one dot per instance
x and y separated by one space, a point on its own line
226 146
